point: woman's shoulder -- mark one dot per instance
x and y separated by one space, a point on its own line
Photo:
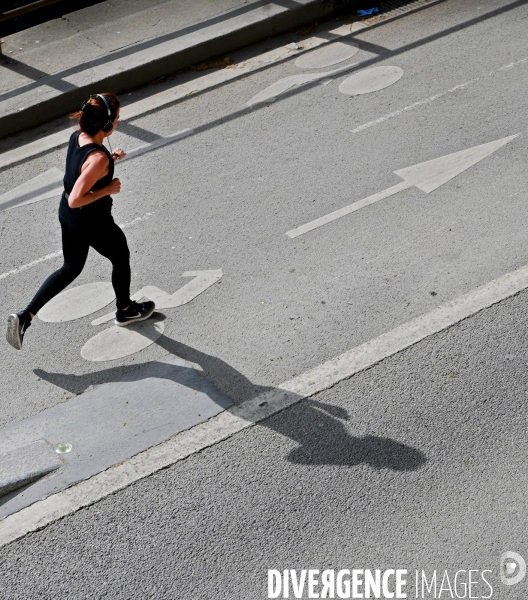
96 156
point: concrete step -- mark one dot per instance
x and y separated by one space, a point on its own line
26 464
105 426
41 79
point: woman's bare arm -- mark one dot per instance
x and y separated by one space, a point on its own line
94 168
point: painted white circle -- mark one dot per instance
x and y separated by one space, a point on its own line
118 342
370 80
77 302
326 56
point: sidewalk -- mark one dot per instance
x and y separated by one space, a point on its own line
47 71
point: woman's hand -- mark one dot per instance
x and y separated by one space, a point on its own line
118 154
114 187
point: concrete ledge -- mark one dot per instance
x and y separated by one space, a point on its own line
107 425
141 63
25 465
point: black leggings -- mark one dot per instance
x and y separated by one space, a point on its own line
109 240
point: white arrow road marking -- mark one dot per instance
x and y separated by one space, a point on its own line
346 210
77 302
327 56
426 176
118 342
202 281
271 93
43 186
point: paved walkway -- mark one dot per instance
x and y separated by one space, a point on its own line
47 70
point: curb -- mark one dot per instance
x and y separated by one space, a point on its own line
161 59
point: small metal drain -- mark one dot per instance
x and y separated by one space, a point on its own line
399 7
388 8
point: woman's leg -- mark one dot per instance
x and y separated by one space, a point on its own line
110 241
75 251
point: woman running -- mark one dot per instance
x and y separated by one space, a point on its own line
86 219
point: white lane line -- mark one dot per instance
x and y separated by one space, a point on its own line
136 220
397 113
182 91
242 417
37 261
31 264
457 88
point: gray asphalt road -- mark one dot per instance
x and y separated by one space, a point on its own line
417 463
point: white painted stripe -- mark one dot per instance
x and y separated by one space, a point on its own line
457 88
242 417
346 210
31 264
412 106
136 220
59 252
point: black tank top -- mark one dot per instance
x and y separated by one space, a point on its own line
93 212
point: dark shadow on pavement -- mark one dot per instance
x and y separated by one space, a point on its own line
324 440
317 427
222 375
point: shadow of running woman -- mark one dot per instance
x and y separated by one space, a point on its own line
316 426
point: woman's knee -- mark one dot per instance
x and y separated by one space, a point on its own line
72 270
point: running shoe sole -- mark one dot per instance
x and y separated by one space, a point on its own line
141 318
13 332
